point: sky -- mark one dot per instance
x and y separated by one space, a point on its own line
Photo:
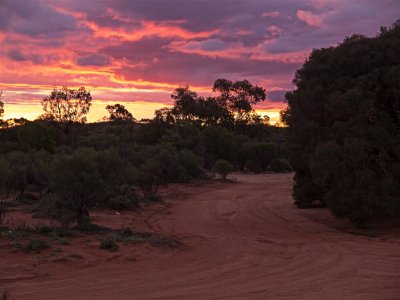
135 52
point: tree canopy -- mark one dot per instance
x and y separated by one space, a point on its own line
118 112
233 104
344 127
67 105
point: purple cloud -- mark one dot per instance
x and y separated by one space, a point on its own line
34 18
96 60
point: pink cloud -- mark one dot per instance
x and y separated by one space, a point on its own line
309 18
274 30
271 14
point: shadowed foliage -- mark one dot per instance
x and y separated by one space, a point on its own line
118 112
344 128
223 168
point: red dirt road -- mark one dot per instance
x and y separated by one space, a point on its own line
243 240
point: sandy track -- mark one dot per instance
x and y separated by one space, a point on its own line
243 240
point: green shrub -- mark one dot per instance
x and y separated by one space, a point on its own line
54 231
151 178
52 206
280 165
259 155
36 245
223 168
125 232
109 243
125 198
76 180
92 228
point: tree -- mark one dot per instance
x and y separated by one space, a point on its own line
223 168
211 112
67 106
238 97
185 103
344 120
118 112
164 116
1 103
233 104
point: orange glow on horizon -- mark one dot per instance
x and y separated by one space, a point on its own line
140 110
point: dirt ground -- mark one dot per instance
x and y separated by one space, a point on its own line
242 240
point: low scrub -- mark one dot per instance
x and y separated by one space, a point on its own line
36 245
109 243
223 168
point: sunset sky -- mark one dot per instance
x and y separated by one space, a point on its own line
136 52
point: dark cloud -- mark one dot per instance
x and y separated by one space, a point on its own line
150 59
93 59
36 58
35 18
16 55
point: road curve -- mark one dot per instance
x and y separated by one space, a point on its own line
244 240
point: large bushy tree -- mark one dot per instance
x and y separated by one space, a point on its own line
344 127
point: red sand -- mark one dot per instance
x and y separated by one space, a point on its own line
243 240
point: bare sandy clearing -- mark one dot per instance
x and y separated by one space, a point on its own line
243 240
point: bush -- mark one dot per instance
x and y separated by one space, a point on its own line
92 228
125 232
151 178
280 165
223 168
125 198
192 164
52 206
75 179
259 155
36 245
109 243
5 202
54 231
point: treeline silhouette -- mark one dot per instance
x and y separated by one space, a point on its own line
344 128
65 167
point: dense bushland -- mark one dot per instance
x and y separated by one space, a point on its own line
344 128
66 167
